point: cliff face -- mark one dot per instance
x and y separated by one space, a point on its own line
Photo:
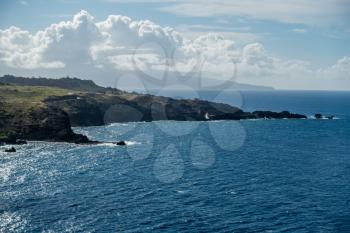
37 124
97 109
47 113
82 111
93 109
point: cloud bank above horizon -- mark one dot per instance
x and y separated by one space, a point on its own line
119 47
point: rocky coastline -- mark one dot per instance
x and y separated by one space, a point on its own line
53 115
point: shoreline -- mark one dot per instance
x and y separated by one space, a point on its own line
47 110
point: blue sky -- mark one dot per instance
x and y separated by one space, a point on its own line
318 33
320 44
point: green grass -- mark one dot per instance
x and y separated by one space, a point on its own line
25 97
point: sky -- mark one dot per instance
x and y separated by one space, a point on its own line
290 44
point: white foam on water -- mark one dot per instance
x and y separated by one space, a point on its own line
112 144
131 143
108 144
323 118
231 192
82 131
180 191
117 124
252 119
5 172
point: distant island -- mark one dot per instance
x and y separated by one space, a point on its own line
42 109
213 85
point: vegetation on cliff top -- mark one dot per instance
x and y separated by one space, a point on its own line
25 115
45 109
24 97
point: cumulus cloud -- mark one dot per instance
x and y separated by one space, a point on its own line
20 49
117 46
340 70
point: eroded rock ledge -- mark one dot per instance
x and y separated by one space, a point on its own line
52 123
38 124
45 110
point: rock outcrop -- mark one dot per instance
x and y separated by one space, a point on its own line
92 110
278 115
320 116
38 124
11 150
44 113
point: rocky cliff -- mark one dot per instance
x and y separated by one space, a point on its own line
39 112
96 109
37 124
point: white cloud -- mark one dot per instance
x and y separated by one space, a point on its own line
20 49
310 12
119 46
240 35
299 30
340 70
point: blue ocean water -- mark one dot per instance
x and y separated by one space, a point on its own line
223 176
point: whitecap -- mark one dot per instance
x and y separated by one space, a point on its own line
117 124
131 143
323 118
180 191
108 144
231 192
113 144
251 119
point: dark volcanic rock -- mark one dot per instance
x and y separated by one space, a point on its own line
38 124
11 150
278 115
82 110
85 104
92 109
121 143
320 116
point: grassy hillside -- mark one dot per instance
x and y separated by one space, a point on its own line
65 83
25 115
25 97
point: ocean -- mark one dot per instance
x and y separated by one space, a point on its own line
220 176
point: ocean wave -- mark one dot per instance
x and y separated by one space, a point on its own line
131 143
322 118
107 144
112 144
117 124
